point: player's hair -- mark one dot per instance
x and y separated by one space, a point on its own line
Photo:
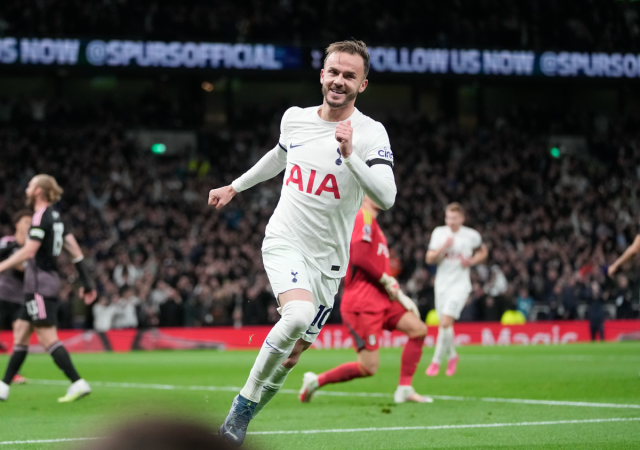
50 188
20 214
353 47
455 207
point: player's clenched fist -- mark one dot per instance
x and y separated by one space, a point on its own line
344 135
221 196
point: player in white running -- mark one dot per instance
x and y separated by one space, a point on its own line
332 156
454 248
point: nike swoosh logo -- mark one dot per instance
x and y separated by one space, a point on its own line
294 146
307 332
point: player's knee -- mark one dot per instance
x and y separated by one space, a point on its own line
291 361
369 368
298 314
419 331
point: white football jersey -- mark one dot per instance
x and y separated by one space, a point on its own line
320 197
452 279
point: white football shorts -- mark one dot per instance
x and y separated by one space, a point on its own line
450 305
288 269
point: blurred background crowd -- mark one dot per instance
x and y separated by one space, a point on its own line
161 257
597 25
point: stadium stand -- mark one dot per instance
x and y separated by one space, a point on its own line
161 257
538 25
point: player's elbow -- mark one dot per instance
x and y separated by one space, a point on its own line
385 202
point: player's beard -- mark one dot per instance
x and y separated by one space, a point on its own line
347 98
30 201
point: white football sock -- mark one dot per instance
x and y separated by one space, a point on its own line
451 352
442 344
297 315
272 387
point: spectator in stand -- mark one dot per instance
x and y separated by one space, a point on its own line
622 297
524 302
597 313
125 309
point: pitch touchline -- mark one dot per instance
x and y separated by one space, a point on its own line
449 427
172 387
356 430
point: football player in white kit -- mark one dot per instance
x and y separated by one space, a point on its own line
454 248
332 155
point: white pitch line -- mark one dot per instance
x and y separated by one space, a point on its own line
449 427
46 441
357 430
173 387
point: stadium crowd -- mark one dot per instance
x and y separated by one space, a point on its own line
160 256
611 26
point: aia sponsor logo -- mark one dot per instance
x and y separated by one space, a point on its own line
328 184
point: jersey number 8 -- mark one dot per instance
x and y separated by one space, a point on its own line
58 230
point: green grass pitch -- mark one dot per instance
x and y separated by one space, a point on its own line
596 374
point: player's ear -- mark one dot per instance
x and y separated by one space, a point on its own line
321 76
363 86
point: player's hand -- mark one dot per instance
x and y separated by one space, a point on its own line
88 296
448 243
466 262
408 304
221 196
390 285
611 270
344 135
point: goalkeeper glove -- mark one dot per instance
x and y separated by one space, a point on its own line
391 286
408 304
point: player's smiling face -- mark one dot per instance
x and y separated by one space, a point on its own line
342 79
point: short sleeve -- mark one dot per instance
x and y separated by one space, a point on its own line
363 228
378 147
39 224
284 129
436 240
477 242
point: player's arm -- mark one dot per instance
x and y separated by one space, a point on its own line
629 253
25 253
88 290
270 165
434 256
479 255
377 181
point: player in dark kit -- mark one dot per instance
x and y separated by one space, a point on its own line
11 281
47 238
372 302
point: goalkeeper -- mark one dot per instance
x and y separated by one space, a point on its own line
372 302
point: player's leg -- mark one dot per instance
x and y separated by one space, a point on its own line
444 342
14 316
275 383
297 312
365 366
48 338
416 331
365 329
21 335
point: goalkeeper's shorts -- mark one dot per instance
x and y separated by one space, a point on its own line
366 328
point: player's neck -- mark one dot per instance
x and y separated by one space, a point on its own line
455 230
39 204
331 114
